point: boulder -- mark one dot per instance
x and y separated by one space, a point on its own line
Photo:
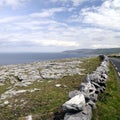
86 114
75 104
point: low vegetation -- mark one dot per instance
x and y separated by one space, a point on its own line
45 103
108 106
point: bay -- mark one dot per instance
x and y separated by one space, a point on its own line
20 58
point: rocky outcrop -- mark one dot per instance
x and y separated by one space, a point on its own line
17 78
82 101
39 71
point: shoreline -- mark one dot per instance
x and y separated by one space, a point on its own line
14 59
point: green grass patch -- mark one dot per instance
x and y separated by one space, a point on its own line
108 106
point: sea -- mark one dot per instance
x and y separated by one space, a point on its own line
21 58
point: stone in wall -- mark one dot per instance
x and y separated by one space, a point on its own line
75 104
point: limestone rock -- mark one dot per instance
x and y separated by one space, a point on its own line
74 104
74 93
29 117
58 85
86 114
39 70
6 102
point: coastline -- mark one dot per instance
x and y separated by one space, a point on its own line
24 58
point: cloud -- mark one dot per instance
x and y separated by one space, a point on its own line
20 40
78 2
74 2
47 30
9 19
58 43
13 3
48 12
107 15
105 46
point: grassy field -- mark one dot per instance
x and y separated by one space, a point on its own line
108 106
45 103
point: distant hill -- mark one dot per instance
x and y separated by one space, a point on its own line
95 51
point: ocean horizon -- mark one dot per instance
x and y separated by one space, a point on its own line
21 58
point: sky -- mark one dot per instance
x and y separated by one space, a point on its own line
58 25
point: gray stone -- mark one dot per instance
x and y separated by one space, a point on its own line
102 84
102 70
73 93
12 92
95 77
23 84
40 70
86 114
29 117
58 85
96 85
87 88
104 76
6 102
74 104
87 79
92 104
94 97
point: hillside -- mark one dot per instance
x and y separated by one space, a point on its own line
95 51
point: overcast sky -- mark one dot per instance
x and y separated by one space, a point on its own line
58 25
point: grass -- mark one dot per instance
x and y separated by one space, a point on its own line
46 102
108 106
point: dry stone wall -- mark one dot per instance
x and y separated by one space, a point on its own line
81 102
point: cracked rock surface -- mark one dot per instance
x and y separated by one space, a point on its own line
19 77
39 70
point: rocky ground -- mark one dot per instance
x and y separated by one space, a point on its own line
23 75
